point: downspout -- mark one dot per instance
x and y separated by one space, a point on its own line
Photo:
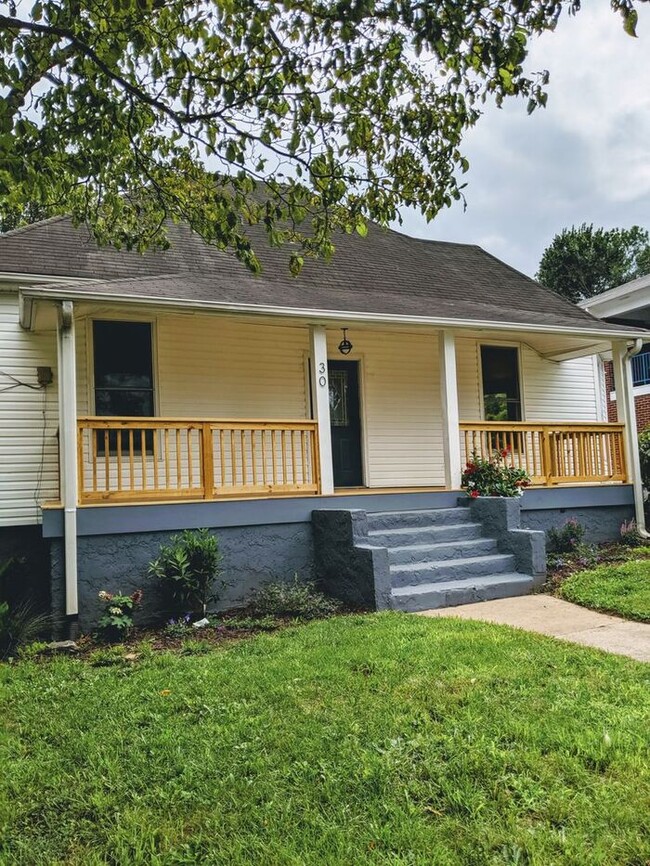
68 454
632 442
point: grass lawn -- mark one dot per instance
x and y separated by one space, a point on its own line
379 739
620 589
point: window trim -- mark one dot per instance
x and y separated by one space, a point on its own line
152 321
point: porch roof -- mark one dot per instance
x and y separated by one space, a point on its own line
385 276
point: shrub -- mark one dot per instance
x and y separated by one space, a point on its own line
294 598
567 538
118 618
630 535
493 477
19 625
188 567
644 455
33 650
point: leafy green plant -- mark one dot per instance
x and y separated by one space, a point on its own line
32 650
493 476
188 567
644 455
118 618
178 627
630 535
567 538
295 598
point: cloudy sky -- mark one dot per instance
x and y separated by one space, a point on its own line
585 158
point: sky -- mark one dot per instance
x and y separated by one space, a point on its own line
584 158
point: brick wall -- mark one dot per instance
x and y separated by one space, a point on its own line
641 404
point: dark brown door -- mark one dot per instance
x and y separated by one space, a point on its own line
345 419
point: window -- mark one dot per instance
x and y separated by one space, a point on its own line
123 368
501 395
641 367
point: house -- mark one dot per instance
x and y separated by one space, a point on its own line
318 422
628 304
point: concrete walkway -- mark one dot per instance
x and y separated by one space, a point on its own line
552 616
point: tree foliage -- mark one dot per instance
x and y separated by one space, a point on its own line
582 262
302 115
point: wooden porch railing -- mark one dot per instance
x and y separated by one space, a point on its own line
140 459
551 453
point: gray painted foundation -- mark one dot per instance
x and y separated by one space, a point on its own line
266 540
119 563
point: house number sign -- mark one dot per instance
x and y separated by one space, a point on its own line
322 378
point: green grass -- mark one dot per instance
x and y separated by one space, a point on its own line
380 739
620 589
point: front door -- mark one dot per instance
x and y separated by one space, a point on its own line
345 419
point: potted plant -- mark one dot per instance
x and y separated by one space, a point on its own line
493 476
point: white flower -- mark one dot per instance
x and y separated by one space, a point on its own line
115 610
104 595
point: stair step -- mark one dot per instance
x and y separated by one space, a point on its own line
454 569
435 516
424 534
442 552
429 596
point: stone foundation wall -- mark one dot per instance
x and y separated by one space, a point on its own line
252 555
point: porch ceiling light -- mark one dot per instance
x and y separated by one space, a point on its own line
345 346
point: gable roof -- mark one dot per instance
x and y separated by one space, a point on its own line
386 273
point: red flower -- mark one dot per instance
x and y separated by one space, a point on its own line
505 452
474 494
136 597
470 468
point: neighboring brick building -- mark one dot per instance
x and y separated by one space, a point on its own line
628 304
641 399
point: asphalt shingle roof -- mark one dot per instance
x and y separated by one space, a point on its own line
383 273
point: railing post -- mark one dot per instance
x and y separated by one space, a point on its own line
207 461
545 451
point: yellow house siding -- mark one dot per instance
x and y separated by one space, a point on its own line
551 391
559 391
220 368
400 393
28 420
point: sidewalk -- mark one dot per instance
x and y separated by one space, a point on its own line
552 616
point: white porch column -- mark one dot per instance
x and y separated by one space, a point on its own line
449 403
626 414
68 449
320 399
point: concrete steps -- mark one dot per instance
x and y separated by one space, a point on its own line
439 558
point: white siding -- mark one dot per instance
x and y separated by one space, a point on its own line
28 420
551 390
400 385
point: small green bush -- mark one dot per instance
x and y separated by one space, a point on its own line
19 625
567 538
630 535
188 568
32 650
117 619
493 476
295 598
644 455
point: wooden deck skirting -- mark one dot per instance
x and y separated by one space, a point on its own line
156 459
551 453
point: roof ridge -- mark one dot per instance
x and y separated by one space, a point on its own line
30 226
